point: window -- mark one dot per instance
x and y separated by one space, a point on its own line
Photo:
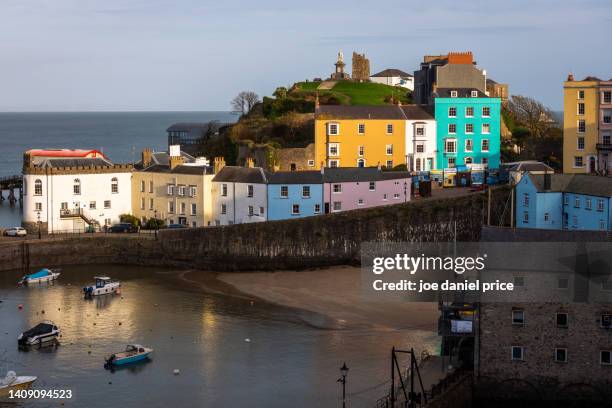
588 204
468 160
563 283
64 206
306 191
295 209
193 191
223 208
600 205
580 108
142 186
452 112
284 191
469 112
385 197
151 186
194 224
469 128
194 209
334 149
420 148
484 145
453 94
181 191
170 189
469 145
360 151
561 319
452 161
389 128
76 187
251 211
575 221
337 188
389 164
418 164
224 190
310 163
151 204
115 185
420 130
580 94
546 216
602 225
565 199
142 203
360 201
577 202
334 163
450 146
519 281
560 355
38 207
526 199
337 205
389 150
486 128
605 357
250 190
607 119
578 161
518 317
262 211
317 208
452 128
580 143
372 186
486 111
107 204
474 94
92 205
360 163
333 129
396 196
485 161
581 126
517 353
606 321
38 187
607 97
361 128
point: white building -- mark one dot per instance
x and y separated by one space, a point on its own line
394 77
73 190
239 195
420 138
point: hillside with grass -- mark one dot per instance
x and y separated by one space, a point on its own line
354 93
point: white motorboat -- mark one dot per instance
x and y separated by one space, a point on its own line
103 286
13 382
44 275
41 333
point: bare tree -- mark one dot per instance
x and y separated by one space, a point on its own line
244 101
532 114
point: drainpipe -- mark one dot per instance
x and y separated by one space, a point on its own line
234 201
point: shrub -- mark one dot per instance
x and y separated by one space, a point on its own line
129 218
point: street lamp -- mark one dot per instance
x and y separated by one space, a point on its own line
405 191
39 224
156 222
343 371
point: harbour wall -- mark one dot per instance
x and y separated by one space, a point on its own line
311 242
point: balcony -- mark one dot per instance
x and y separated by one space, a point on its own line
604 147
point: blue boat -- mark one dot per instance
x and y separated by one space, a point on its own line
44 275
133 353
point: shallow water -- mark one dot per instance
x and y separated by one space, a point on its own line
288 362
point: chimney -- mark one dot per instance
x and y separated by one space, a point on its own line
147 157
249 163
219 164
547 181
570 78
176 161
27 160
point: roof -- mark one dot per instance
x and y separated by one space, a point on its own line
181 169
461 92
235 174
390 112
355 174
391 72
575 183
591 78
65 153
296 177
75 162
490 81
163 159
531 166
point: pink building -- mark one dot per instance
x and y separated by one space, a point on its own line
604 144
346 188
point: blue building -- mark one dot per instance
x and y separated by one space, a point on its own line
468 128
295 194
564 201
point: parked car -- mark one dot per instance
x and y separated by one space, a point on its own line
176 226
123 227
15 232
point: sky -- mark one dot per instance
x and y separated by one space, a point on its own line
151 55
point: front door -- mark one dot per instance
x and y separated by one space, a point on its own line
182 220
326 208
592 164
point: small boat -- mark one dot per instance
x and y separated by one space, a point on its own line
44 275
41 333
132 354
13 382
103 286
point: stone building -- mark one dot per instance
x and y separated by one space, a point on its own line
295 158
361 67
497 90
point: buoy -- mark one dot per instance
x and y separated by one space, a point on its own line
176 371
247 340
20 307
88 351
110 382
94 323
42 312
252 303
59 308
119 323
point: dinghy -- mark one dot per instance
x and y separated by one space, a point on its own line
133 353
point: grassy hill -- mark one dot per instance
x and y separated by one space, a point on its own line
353 93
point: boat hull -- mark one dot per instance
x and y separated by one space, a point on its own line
130 360
105 290
22 383
43 279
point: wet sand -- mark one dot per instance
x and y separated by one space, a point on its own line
333 292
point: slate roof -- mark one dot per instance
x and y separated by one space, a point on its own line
182 169
235 174
390 112
163 159
296 177
575 183
188 127
530 166
391 72
357 174
461 92
418 112
74 162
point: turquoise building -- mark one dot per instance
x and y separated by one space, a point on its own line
294 194
577 202
468 128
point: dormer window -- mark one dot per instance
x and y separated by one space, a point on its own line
474 94
453 94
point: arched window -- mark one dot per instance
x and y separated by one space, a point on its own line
38 187
469 160
115 185
360 162
76 187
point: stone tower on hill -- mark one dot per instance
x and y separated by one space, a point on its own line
361 68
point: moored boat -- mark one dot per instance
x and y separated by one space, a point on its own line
133 353
41 333
13 382
103 286
44 275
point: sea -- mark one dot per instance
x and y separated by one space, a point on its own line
120 135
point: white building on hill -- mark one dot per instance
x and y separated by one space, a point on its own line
394 77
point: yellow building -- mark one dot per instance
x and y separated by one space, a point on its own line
580 125
172 187
359 136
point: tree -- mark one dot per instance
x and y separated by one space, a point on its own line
520 137
280 93
533 115
244 102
